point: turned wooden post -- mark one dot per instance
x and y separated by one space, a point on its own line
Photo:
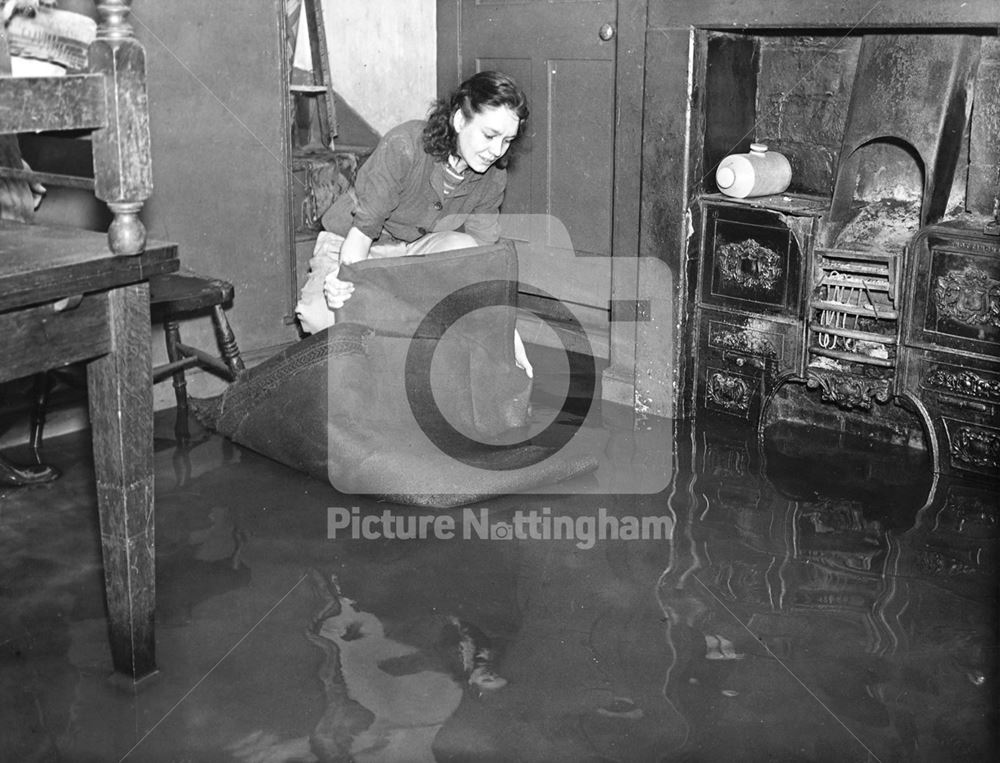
122 167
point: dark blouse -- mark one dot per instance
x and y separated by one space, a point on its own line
399 195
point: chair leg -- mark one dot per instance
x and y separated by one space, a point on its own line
173 336
39 408
227 342
12 474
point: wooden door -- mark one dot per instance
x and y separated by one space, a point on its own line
558 205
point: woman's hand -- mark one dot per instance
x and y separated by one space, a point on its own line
335 291
521 356
355 248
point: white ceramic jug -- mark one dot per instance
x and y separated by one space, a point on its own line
759 173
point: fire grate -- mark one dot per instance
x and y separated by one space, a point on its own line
852 312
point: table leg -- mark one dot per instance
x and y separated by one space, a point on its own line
121 412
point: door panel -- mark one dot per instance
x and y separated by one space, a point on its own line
578 175
558 205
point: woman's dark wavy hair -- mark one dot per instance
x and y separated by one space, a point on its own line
478 92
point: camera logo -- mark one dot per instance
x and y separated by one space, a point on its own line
501 531
420 391
575 308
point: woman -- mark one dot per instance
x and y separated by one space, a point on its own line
428 187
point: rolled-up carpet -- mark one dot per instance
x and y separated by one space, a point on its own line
413 396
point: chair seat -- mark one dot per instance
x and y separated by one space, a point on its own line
182 293
171 297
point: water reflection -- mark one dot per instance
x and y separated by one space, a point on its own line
818 601
824 601
860 588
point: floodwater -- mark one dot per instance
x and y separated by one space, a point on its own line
814 599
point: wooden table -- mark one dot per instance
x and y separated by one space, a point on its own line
104 321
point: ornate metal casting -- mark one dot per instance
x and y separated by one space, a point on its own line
964 382
729 392
969 297
848 391
976 447
749 265
742 340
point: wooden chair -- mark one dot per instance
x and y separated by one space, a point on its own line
173 297
104 280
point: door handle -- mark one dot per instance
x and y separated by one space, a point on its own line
607 31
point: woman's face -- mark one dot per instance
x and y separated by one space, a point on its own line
486 136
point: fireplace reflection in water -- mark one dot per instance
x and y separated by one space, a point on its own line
854 569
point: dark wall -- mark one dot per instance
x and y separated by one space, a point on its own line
732 70
805 90
806 14
217 99
984 142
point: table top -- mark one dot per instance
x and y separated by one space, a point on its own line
42 263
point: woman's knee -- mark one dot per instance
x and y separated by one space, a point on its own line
457 240
443 241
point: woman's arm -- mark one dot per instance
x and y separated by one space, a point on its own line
383 179
355 248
